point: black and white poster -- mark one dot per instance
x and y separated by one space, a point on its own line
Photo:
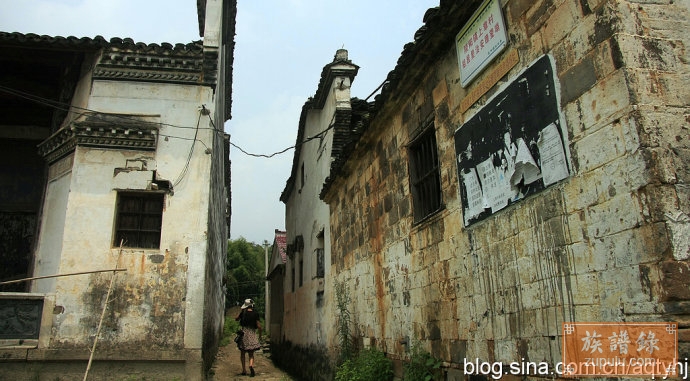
514 146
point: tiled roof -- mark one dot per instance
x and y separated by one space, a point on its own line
183 63
125 59
434 38
431 42
95 43
281 242
58 42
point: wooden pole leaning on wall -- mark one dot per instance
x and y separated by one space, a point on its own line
105 307
58 276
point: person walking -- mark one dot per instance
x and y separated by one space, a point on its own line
249 321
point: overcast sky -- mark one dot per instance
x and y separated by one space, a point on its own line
281 47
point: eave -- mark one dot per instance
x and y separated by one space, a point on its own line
121 132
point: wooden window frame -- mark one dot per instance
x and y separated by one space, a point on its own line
139 226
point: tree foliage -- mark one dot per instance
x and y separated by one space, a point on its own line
245 273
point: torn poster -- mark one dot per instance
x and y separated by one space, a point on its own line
475 197
526 170
495 184
553 163
514 143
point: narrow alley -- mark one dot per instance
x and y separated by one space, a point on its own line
227 366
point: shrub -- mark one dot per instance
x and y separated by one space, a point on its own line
342 297
367 365
422 366
229 328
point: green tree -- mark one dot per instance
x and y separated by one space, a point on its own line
245 273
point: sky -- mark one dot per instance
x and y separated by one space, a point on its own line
281 48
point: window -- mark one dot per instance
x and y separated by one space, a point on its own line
138 220
320 267
425 179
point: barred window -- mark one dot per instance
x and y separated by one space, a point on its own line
138 220
425 178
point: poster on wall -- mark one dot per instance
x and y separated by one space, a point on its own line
480 40
514 146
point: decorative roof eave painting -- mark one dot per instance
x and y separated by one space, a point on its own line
101 133
125 60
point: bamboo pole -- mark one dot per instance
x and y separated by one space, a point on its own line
58 275
105 307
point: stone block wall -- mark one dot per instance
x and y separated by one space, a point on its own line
608 243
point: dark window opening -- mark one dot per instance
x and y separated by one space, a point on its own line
425 178
320 266
139 219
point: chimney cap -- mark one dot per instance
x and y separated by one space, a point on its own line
340 54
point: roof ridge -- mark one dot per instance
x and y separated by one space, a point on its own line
10 38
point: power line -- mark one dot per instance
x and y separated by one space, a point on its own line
86 111
101 115
259 282
317 136
191 151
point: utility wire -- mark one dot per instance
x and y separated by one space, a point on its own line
101 115
191 151
247 282
317 136
377 89
98 114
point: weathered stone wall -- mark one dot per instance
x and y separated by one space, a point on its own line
218 232
308 303
609 243
218 229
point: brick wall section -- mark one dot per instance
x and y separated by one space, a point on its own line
609 243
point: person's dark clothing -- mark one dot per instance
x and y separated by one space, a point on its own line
249 319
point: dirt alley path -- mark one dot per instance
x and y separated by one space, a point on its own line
228 367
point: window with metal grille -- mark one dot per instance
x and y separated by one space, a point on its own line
138 220
425 178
